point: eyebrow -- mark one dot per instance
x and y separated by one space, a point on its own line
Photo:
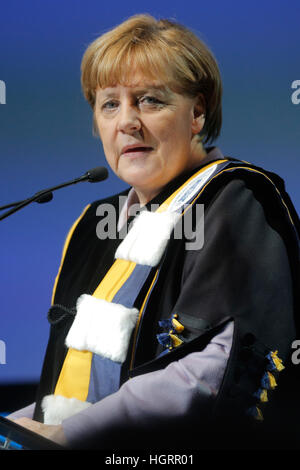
163 90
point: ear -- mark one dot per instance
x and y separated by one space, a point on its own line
198 114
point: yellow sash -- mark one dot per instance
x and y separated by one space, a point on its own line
74 378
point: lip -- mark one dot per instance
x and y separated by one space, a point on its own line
133 149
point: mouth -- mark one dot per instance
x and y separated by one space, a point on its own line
136 150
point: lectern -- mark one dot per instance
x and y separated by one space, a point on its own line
17 437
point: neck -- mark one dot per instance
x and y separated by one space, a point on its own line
198 157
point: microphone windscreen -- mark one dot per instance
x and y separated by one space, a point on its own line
99 173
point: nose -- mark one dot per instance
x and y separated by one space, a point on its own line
129 121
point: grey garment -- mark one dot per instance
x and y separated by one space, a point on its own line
152 398
26 412
183 388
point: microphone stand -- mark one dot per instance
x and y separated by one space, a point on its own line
46 194
26 202
48 197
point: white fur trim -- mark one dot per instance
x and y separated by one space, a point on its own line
146 241
56 408
102 327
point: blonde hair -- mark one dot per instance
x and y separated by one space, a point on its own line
159 49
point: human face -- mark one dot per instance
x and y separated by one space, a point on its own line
146 131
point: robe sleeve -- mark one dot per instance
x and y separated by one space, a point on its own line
153 400
26 412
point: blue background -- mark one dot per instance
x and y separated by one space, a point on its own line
46 138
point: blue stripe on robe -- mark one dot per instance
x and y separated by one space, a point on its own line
105 373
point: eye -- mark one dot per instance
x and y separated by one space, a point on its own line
150 101
110 105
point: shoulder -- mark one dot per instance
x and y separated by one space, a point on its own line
82 234
252 177
91 214
114 201
247 213
240 184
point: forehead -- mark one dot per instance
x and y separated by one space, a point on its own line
133 88
136 83
134 76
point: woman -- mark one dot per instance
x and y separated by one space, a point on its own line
202 328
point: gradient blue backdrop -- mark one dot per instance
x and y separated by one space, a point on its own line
45 129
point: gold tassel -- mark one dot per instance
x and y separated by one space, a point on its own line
264 396
259 415
175 340
272 380
177 325
277 361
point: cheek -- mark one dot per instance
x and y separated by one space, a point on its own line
107 139
164 130
104 134
175 133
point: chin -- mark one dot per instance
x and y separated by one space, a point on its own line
142 179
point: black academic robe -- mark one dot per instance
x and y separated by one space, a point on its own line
247 272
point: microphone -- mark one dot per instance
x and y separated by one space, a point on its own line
95 175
